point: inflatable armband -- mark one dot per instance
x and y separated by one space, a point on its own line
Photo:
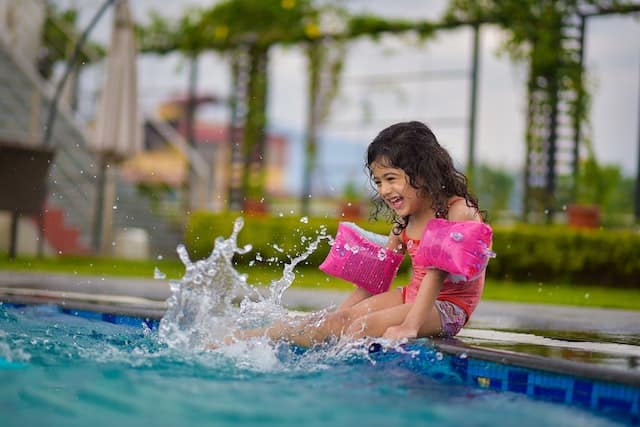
461 248
359 256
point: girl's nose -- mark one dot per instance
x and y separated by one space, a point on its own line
383 189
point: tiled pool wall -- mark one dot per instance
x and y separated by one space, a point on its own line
584 392
622 399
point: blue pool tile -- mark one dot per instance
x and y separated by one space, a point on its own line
613 404
552 394
460 366
582 392
152 324
517 381
123 320
84 314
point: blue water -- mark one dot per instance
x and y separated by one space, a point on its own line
61 370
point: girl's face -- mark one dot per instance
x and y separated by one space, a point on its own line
394 188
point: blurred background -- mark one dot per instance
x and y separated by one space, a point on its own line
144 113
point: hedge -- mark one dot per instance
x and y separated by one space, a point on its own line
524 252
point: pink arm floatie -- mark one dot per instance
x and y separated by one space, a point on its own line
359 256
461 248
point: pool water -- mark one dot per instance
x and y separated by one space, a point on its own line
59 369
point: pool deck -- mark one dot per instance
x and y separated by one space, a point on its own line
604 342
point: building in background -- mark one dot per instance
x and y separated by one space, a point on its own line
165 162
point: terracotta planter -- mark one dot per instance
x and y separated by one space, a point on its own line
255 207
350 211
583 216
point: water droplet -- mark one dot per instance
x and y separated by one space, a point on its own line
439 356
304 220
157 274
160 257
457 236
463 356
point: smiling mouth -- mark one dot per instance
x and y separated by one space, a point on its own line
395 202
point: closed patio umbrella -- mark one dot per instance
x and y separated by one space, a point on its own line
118 130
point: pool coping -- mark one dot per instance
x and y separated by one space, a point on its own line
455 347
140 307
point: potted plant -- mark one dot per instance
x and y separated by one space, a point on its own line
351 202
585 211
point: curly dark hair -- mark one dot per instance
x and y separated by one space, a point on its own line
412 147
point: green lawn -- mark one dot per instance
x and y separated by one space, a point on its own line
544 293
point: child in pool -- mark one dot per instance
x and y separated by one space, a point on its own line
416 181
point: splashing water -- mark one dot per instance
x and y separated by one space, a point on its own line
201 308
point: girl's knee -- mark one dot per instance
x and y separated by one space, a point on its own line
341 318
357 327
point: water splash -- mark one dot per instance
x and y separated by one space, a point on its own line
201 308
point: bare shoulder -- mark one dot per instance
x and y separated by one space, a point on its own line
459 211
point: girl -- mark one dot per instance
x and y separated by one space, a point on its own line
415 181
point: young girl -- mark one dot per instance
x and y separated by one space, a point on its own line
416 181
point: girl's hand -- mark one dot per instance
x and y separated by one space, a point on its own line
400 332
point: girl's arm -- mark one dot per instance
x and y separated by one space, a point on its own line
421 307
393 243
430 286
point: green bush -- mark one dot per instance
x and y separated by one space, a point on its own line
561 254
524 252
266 235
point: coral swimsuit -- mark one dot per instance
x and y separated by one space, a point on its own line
465 295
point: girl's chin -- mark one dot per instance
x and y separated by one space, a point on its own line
399 211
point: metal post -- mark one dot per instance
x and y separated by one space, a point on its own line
473 104
550 196
637 195
13 238
577 130
311 137
190 111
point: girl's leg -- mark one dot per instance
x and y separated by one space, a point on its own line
376 323
311 330
358 295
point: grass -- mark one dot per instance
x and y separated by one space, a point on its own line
312 278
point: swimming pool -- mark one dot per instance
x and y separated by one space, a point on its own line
65 367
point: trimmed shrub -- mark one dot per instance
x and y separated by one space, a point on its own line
558 253
271 237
